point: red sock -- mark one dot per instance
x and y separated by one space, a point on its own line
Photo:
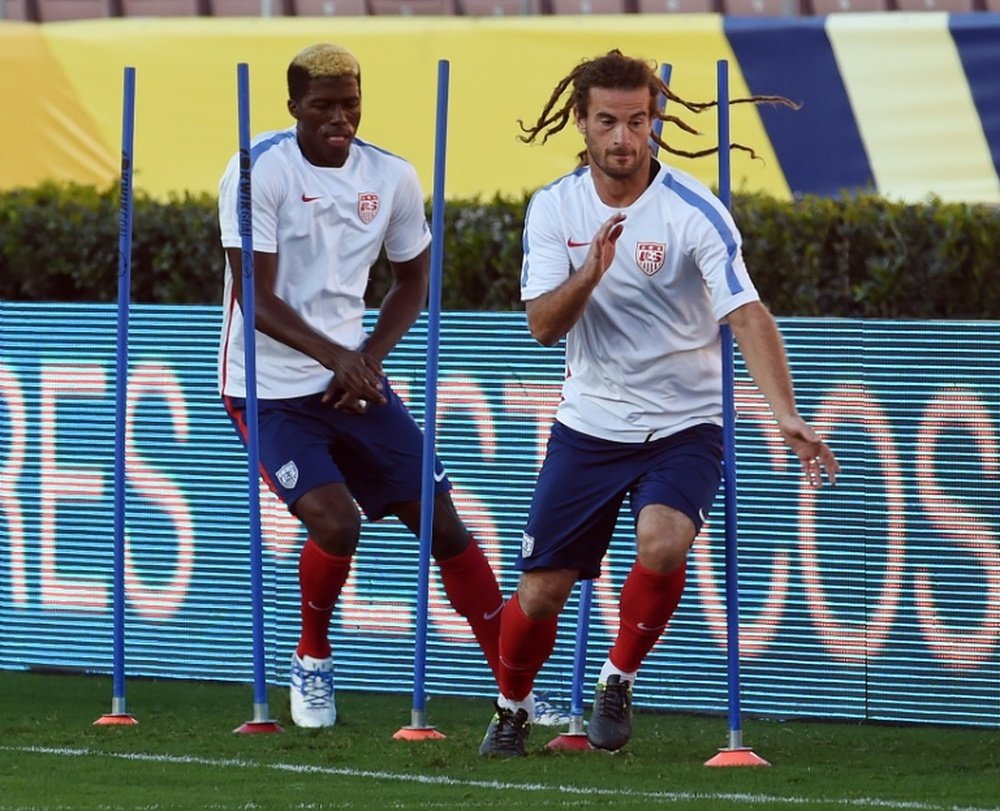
321 577
647 603
473 592
525 645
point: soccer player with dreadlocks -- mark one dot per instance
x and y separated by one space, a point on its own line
636 264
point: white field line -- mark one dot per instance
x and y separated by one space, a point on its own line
496 785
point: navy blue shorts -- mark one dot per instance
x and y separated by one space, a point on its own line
305 443
584 480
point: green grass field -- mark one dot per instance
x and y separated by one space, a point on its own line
183 754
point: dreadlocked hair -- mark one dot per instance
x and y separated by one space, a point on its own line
615 71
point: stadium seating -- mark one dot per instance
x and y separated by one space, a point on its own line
329 8
165 8
678 6
936 5
56 10
15 10
248 8
590 6
836 6
498 8
408 8
761 8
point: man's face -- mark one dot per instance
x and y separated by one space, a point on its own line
328 116
616 131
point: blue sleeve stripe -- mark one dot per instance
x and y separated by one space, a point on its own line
712 214
261 147
819 147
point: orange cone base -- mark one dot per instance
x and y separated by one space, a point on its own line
569 740
122 719
258 728
418 734
737 757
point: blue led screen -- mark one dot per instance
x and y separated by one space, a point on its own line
879 599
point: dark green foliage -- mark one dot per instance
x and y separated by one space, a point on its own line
867 257
482 256
60 243
862 257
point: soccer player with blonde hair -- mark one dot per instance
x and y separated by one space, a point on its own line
332 431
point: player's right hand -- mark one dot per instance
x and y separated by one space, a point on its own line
356 374
602 248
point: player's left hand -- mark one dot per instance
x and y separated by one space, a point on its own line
814 454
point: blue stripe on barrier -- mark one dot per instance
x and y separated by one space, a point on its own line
977 39
820 146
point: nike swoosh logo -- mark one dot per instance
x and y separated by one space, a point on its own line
315 607
438 476
490 615
643 627
307 199
570 243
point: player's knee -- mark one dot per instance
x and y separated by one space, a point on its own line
335 534
663 554
450 541
450 536
542 593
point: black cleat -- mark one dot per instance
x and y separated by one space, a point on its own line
610 724
506 734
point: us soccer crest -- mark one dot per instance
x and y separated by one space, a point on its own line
288 475
367 206
649 256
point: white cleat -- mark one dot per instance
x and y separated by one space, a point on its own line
547 713
313 703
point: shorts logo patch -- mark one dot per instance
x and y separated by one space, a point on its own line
288 475
527 545
367 206
649 256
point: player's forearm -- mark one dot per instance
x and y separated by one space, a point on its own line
276 319
553 314
399 311
764 353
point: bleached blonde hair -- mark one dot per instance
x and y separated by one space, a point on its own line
322 60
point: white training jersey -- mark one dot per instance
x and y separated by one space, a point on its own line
327 226
644 361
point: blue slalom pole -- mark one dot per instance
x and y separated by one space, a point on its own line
575 737
729 441
261 721
736 754
418 728
119 714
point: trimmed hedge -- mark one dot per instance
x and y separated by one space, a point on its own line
862 257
